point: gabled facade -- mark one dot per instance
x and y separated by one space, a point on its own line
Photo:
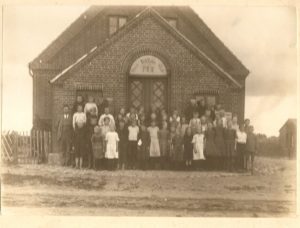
137 55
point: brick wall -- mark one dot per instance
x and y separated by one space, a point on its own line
187 73
42 93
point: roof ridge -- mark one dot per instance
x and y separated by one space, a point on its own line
150 9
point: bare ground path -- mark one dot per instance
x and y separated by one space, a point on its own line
42 189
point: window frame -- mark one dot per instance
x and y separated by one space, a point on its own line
168 19
118 18
206 95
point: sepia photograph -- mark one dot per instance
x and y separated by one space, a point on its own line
149 110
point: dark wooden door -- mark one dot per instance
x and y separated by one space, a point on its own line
147 91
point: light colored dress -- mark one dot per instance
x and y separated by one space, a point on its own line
111 145
154 143
198 151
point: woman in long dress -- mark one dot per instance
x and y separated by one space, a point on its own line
188 147
154 144
210 152
198 149
111 154
220 141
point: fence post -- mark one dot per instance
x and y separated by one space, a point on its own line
45 136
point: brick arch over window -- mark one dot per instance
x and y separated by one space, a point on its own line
166 83
145 50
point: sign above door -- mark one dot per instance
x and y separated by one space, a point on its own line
148 65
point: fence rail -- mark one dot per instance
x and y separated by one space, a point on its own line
25 147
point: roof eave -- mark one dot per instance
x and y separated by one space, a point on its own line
152 10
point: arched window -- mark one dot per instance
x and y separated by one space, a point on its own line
148 65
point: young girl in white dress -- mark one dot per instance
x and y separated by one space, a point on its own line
111 154
154 145
198 146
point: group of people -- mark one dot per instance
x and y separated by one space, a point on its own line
202 138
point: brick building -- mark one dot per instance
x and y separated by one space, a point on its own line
137 55
288 137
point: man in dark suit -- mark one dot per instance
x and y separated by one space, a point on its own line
65 135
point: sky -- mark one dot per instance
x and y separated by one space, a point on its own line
263 38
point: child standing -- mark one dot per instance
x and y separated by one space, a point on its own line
121 117
79 125
111 152
106 126
91 123
175 119
188 147
251 147
195 122
177 150
154 145
184 125
164 143
143 146
133 131
105 116
123 144
241 147
230 137
98 148
198 146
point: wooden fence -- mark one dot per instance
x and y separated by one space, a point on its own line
25 147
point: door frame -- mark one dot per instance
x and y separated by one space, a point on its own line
141 77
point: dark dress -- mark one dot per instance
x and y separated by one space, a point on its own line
98 146
80 142
230 136
143 152
220 140
90 131
177 153
188 147
164 137
210 146
101 107
123 143
201 109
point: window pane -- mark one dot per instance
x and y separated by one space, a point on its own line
113 25
122 21
173 22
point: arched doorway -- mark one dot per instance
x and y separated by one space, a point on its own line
148 83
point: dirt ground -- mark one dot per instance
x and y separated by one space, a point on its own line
52 190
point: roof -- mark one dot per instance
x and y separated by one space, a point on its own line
71 31
289 123
200 29
144 13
